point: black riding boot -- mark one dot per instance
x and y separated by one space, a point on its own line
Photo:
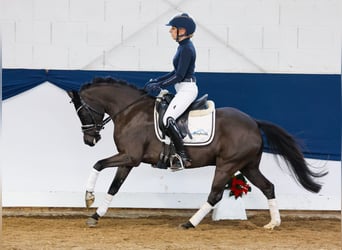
177 140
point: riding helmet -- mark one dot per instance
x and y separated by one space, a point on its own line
183 21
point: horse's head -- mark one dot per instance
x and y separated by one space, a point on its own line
102 94
91 119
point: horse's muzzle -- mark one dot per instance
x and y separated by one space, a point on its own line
91 140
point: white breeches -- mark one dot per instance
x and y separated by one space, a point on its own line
186 94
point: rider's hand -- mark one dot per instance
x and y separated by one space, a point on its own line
152 86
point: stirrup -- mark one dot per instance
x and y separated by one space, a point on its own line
179 163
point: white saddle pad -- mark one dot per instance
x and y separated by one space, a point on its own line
201 125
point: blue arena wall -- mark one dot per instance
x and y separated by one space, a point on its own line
306 105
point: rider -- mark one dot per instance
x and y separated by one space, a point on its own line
183 79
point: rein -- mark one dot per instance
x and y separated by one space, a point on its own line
131 104
100 126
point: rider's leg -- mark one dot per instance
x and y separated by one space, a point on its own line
186 94
177 140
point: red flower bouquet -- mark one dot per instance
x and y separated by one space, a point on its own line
238 186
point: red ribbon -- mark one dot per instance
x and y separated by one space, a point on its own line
239 187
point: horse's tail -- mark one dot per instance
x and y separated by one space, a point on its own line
282 143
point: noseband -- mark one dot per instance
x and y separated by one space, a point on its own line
97 126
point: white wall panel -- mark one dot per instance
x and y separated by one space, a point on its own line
243 37
280 37
51 10
140 36
163 38
216 36
162 63
266 58
69 33
9 55
18 55
78 55
303 60
232 27
127 13
103 34
8 28
319 38
226 12
231 59
53 56
86 10
41 32
202 59
261 12
310 13
24 32
123 58
16 10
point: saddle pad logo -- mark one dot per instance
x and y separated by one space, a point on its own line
200 132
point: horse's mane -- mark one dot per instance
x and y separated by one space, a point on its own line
97 81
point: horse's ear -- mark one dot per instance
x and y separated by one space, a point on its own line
72 93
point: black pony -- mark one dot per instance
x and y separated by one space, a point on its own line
236 146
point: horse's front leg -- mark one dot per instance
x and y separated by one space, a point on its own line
124 164
113 161
120 177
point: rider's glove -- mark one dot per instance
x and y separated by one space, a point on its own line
152 86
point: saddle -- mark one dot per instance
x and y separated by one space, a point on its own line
162 104
196 124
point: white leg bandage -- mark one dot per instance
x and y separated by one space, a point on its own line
274 212
101 210
92 180
200 214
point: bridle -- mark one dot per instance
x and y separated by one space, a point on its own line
94 125
99 126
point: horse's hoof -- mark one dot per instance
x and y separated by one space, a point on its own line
186 225
272 225
91 222
89 199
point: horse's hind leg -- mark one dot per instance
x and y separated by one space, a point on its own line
221 178
253 174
